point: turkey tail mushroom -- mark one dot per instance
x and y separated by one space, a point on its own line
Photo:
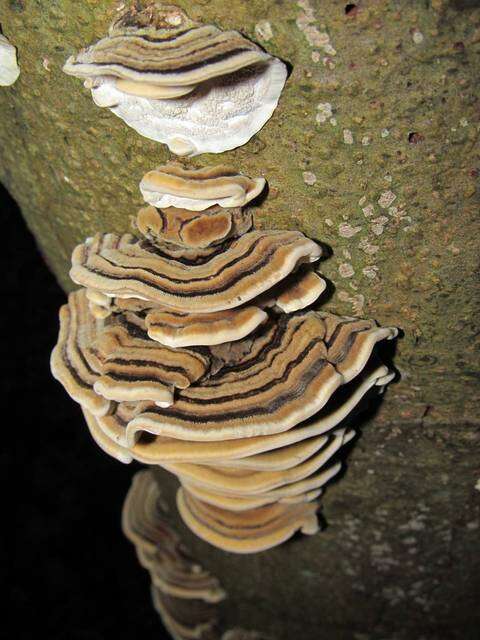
9 69
166 76
198 189
192 348
184 594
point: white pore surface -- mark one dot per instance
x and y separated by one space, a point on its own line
9 69
219 115
163 200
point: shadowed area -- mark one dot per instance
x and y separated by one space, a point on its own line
69 568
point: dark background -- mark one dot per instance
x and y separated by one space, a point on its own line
70 572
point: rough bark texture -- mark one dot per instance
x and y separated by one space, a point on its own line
374 151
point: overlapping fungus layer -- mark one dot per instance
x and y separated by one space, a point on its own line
183 593
192 347
9 69
192 86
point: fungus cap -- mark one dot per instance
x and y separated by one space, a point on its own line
192 230
193 87
159 546
181 329
133 367
241 482
198 189
156 450
288 373
72 361
249 531
183 593
163 47
9 69
126 267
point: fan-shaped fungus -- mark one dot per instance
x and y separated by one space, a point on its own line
193 87
9 69
183 593
195 351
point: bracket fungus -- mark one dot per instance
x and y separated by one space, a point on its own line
183 593
198 352
9 69
168 185
194 87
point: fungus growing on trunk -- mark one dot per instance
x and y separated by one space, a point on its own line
198 189
9 69
196 352
193 87
183 593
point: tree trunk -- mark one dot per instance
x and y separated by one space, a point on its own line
372 150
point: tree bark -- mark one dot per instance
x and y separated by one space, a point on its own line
374 151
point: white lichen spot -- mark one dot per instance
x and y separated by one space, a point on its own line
463 122
316 57
385 133
325 112
393 211
315 37
330 50
415 524
367 247
357 301
386 199
328 62
394 595
309 178
346 254
346 270
388 178
362 201
347 136
382 556
378 225
346 230
366 141
370 272
263 30
368 210
328 222
46 64
417 36
333 122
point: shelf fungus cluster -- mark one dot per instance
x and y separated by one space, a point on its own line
190 86
9 69
193 347
184 594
